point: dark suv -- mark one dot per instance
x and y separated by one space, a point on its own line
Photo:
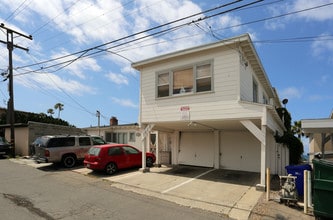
5 147
65 149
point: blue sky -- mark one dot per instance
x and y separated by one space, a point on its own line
293 38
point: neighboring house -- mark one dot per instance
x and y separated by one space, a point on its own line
25 134
115 133
213 106
132 134
320 134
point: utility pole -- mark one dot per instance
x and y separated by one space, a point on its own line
98 115
10 108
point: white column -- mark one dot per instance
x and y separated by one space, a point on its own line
263 157
175 148
144 138
157 150
143 148
216 149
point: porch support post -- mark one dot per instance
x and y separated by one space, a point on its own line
157 154
216 149
175 148
144 135
263 158
324 139
260 134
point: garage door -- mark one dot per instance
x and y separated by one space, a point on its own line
197 149
240 151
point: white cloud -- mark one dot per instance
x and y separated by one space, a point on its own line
117 78
50 81
230 21
291 93
300 6
325 78
319 14
273 11
91 22
165 11
323 46
77 66
124 102
319 98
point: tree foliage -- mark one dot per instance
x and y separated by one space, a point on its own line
60 107
50 111
294 143
25 117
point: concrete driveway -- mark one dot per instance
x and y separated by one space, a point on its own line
231 193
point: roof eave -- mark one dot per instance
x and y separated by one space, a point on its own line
138 65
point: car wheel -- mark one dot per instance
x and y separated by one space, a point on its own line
149 162
111 168
69 161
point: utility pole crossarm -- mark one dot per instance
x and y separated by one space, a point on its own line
15 32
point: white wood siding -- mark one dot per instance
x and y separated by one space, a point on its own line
240 151
247 76
246 86
272 124
216 104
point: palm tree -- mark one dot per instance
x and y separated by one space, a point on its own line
59 106
297 129
50 111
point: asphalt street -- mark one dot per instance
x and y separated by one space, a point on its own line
31 193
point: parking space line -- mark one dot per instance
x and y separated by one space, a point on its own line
187 181
117 178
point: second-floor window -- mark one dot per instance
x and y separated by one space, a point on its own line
163 84
190 79
182 81
264 99
203 78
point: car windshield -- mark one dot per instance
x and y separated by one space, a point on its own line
98 141
41 141
3 140
94 151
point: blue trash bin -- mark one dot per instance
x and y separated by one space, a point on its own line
298 171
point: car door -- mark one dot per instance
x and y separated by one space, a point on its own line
133 156
116 155
84 146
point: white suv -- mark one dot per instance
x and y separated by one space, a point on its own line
65 149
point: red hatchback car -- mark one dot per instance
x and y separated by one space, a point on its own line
112 157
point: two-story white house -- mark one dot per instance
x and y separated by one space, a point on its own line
213 106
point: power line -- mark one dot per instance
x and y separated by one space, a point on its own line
97 47
85 53
10 109
163 31
277 16
141 32
133 35
18 8
81 11
49 21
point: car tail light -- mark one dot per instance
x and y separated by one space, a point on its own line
92 158
47 153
